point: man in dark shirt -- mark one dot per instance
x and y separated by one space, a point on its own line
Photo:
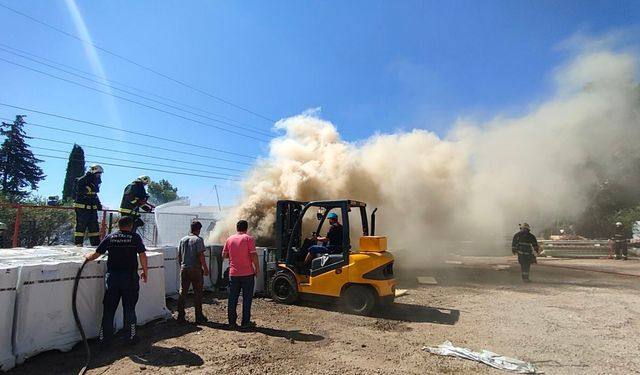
524 244
333 239
124 248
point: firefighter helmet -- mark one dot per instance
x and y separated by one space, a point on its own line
526 226
95 168
144 179
618 224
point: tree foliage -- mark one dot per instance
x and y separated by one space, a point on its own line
75 169
18 166
38 226
162 192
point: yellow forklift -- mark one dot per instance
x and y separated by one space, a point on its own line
360 280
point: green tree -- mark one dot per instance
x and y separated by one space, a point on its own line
18 167
42 226
75 169
162 192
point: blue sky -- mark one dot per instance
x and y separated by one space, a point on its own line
371 66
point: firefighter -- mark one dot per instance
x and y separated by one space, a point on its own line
525 244
135 198
620 239
87 204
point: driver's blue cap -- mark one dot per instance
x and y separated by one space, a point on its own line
332 215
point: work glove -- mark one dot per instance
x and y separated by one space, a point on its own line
146 208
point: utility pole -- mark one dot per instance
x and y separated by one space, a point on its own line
217 197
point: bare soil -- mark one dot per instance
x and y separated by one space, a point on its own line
567 321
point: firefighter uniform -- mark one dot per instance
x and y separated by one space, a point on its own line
86 207
525 244
620 239
121 280
133 198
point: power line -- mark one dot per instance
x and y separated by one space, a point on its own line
138 168
117 83
138 162
133 101
136 154
131 143
138 64
137 95
124 131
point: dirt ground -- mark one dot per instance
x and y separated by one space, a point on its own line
567 321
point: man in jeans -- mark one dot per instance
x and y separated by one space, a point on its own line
240 248
124 248
192 268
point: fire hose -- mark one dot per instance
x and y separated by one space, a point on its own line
77 318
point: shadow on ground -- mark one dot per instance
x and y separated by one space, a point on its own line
143 352
418 314
295 335
167 357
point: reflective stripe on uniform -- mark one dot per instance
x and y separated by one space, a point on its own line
85 206
129 211
88 234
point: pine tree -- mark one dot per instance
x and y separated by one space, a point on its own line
18 166
75 169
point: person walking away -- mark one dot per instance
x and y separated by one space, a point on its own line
86 206
524 244
240 248
620 239
192 269
124 248
135 198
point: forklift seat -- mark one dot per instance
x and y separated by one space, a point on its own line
325 260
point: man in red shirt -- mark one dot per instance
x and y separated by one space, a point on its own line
240 248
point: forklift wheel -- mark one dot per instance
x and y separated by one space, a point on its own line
284 288
358 300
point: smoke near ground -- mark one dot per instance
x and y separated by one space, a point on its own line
478 182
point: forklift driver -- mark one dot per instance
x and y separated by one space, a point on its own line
333 240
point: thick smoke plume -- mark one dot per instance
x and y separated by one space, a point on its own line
476 184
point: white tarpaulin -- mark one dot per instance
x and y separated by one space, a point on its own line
8 282
151 301
42 280
486 357
173 220
171 268
43 315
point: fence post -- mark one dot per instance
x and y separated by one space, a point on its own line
155 234
103 224
110 221
16 227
